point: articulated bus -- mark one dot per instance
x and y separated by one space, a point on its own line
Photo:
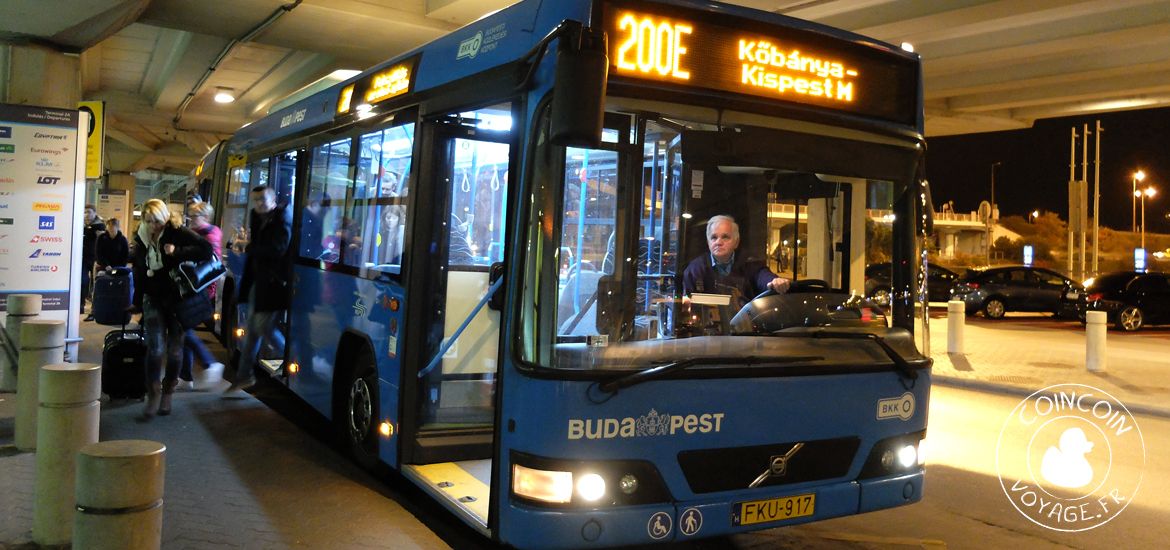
490 246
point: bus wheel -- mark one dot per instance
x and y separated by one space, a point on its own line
359 416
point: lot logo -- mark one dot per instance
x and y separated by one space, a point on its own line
39 135
47 223
1070 457
43 269
39 239
48 180
46 207
470 47
653 423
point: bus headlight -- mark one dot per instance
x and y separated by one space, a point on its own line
561 484
908 456
591 487
542 485
894 455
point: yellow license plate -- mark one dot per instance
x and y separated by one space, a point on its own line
773 509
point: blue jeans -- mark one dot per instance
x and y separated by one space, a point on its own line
260 325
193 349
164 342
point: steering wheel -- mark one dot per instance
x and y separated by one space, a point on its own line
796 287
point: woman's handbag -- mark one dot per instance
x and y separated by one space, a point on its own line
192 310
193 278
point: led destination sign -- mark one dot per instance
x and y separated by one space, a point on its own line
388 83
759 59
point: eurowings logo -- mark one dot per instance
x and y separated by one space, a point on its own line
653 423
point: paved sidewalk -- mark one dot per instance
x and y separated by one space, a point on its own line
1026 353
238 475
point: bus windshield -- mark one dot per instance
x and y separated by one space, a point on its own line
693 233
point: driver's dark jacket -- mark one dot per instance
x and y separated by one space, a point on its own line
267 265
747 278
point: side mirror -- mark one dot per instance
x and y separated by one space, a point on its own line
495 272
578 109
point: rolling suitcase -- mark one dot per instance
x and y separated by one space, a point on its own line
112 293
124 364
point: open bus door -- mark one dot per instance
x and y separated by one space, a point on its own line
449 386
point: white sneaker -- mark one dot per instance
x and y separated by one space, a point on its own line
187 385
215 370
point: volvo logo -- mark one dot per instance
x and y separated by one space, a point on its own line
778 466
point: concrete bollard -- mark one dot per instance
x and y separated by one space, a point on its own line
119 496
1096 323
21 308
67 421
42 342
956 319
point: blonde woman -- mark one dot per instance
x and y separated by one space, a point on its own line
161 243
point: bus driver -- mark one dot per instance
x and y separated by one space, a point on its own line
721 272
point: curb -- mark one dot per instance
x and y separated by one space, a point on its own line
1008 389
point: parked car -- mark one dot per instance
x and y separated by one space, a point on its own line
1130 299
999 290
939 281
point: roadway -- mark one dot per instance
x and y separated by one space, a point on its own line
259 472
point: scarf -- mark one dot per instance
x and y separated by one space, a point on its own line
153 254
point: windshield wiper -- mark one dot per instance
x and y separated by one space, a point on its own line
900 362
663 370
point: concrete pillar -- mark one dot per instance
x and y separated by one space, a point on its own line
956 317
856 282
119 496
42 76
68 421
818 264
1096 323
42 342
21 308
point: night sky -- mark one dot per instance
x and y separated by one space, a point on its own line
1034 170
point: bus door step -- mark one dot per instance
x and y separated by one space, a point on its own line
273 366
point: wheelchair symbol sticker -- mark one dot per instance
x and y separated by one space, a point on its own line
690 522
659 525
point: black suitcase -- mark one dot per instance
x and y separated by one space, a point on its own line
124 364
112 293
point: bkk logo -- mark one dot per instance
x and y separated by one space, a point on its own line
651 424
1070 457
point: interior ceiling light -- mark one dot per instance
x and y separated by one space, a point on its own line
224 95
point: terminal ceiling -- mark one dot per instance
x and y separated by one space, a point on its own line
989 65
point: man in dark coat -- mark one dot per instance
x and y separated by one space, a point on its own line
264 283
721 272
93 227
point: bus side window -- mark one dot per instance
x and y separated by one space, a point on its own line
328 183
380 218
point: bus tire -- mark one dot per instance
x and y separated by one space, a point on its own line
357 421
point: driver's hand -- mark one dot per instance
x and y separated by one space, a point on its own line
779 284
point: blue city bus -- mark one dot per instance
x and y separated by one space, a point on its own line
490 247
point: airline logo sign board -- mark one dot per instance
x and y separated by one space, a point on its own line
42 189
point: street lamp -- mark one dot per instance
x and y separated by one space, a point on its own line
1137 176
991 216
1035 214
1150 192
